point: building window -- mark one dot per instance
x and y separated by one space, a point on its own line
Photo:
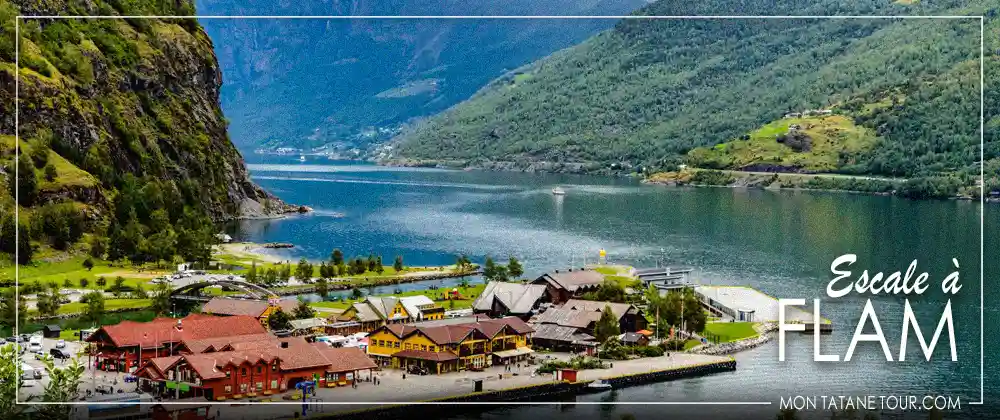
260 386
409 346
433 349
243 371
258 369
423 347
274 384
395 345
229 389
228 372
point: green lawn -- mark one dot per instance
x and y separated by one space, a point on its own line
690 344
109 304
469 294
72 269
731 331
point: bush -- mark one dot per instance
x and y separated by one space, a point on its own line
650 351
50 172
673 345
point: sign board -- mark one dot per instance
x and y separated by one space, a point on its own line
185 387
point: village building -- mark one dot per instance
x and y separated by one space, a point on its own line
449 345
121 347
309 327
376 311
258 309
253 368
664 279
500 299
562 286
571 326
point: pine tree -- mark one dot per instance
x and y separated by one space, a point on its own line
514 268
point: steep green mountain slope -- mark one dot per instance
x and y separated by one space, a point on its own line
121 131
647 92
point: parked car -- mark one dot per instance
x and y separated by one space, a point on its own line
11 339
418 370
61 344
104 389
59 354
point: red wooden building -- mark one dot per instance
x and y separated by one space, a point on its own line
252 368
121 347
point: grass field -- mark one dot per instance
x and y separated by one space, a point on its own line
831 136
109 304
731 331
72 269
469 295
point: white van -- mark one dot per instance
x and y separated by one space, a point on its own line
35 344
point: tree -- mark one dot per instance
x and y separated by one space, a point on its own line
322 287
514 268
140 292
303 310
98 246
101 281
370 263
50 172
67 283
279 320
489 269
356 293
8 308
63 386
284 273
48 301
118 287
337 257
88 264
304 271
251 276
607 325
398 264
378 265
84 282
95 307
27 183
500 273
608 291
10 371
161 299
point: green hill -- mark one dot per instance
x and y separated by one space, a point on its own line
121 134
649 92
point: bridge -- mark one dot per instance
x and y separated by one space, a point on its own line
191 292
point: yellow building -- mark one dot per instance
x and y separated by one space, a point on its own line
447 347
375 312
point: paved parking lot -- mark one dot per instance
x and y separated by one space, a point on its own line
92 377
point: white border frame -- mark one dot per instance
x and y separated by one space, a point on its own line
982 164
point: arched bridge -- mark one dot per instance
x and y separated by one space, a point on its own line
192 291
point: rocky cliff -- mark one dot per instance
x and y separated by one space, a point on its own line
132 104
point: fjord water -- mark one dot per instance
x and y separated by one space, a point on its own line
779 242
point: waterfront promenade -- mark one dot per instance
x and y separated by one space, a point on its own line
393 388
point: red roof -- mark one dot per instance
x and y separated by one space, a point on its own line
298 354
161 331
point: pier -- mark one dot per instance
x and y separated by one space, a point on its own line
745 304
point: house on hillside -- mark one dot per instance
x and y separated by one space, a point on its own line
500 299
562 286
258 309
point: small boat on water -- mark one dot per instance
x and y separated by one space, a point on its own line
599 385
558 191
302 158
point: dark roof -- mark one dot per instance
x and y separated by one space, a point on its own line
254 308
53 327
662 270
426 355
455 333
555 332
572 280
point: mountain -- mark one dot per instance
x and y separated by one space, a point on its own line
723 94
121 133
314 82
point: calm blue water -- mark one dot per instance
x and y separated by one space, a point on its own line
779 242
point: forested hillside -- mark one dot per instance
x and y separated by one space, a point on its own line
646 93
123 146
